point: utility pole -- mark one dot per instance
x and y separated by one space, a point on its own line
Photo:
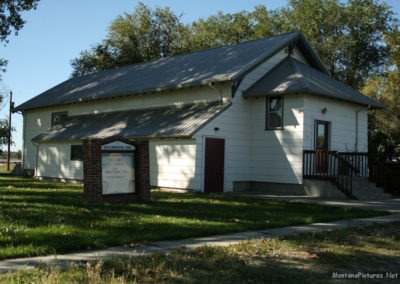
9 132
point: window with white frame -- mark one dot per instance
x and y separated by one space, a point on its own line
274 115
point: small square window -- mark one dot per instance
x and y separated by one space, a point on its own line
274 116
58 118
76 153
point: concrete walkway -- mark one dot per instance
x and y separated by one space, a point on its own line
220 240
391 205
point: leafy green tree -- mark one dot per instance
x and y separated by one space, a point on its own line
384 124
18 155
322 23
91 61
221 29
4 132
144 35
348 36
11 19
358 40
265 22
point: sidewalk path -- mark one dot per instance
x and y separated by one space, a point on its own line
167 246
391 205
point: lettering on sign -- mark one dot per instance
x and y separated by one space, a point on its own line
118 173
118 146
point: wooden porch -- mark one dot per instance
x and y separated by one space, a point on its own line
336 167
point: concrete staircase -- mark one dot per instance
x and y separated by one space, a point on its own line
365 190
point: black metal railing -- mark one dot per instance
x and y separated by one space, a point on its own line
332 166
359 160
386 174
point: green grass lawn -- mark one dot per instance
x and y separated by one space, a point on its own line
354 255
39 218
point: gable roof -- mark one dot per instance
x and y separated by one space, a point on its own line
166 122
225 63
292 76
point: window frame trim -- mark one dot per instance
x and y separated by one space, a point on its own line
267 112
71 151
64 114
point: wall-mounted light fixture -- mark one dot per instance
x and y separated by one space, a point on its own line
323 111
216 128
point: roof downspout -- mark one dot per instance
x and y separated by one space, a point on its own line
37 158
356 142
23 141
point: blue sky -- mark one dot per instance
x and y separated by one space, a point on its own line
57 31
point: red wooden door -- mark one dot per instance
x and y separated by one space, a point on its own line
214 165
321 145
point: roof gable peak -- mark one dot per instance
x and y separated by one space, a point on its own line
219 64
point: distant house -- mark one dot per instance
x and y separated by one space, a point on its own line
217 120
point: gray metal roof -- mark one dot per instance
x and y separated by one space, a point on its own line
293 76
211 65
166 122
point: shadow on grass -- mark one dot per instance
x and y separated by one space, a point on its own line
372 249
209 265
9 181
300 259
55 216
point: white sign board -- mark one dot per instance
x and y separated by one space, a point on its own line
118 173
118 146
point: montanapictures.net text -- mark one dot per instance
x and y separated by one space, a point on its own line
362 275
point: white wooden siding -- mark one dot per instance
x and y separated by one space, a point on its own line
55 161
35 122
39 120
242 124
254 154
233 126
173 164
342 119
251 152
277 154
153 100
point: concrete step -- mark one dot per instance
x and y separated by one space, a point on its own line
383 196
368 190
365 190
371 195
